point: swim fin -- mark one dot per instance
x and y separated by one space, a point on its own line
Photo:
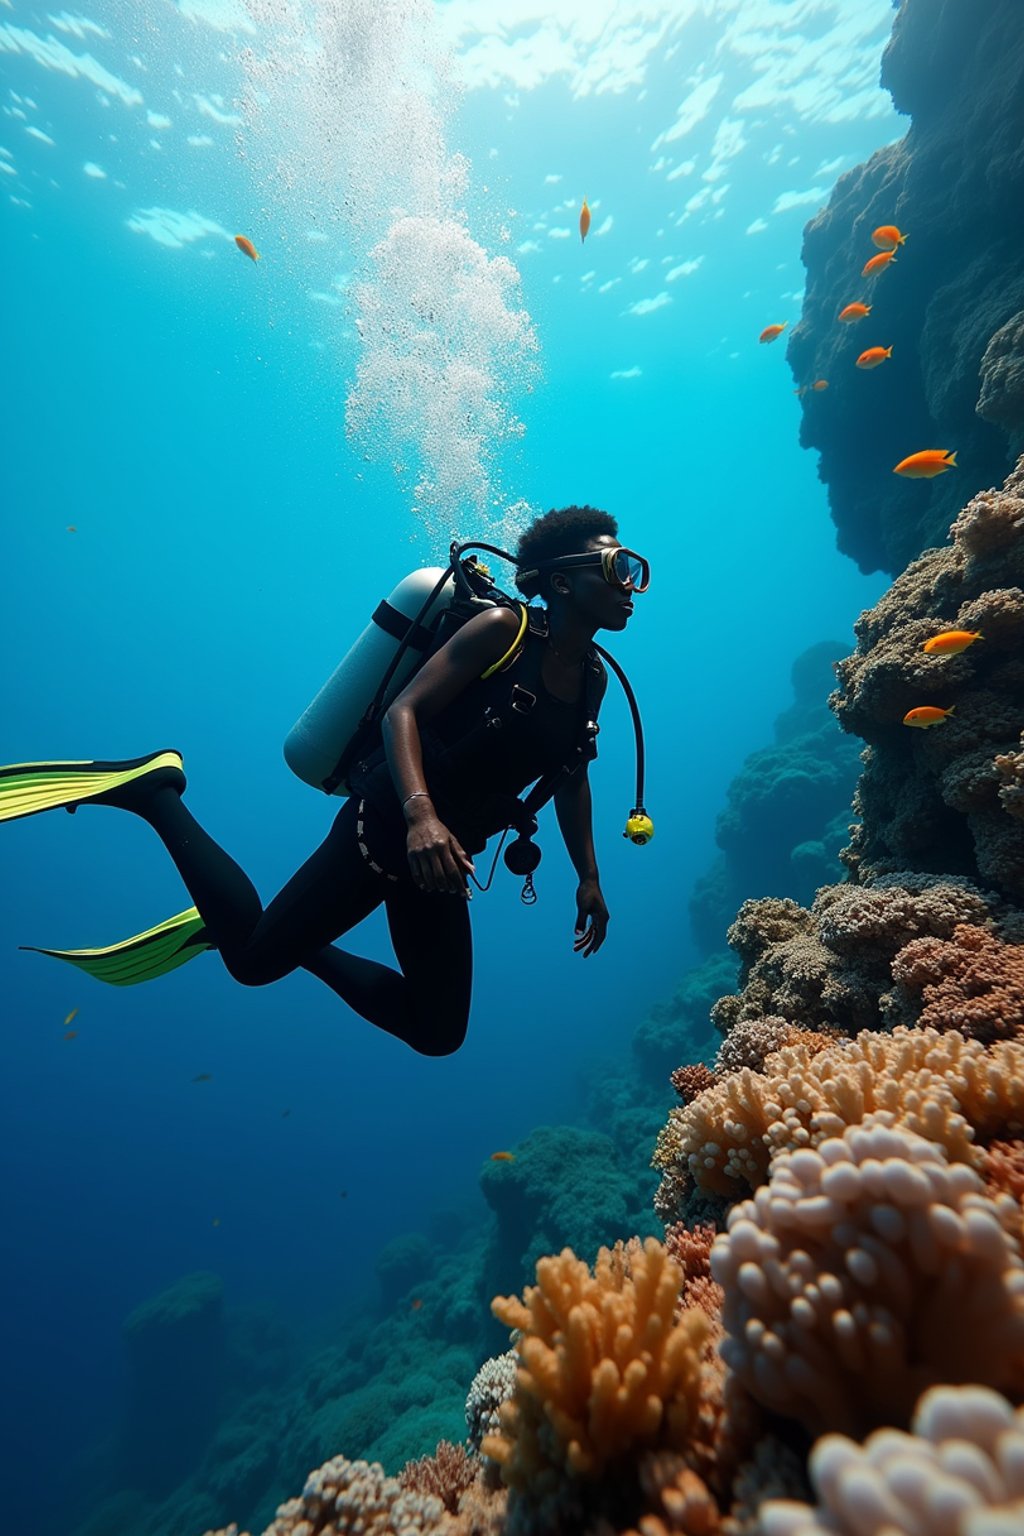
142 957
28 788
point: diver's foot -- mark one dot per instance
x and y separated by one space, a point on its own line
128 784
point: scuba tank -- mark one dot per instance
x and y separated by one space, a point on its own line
405 621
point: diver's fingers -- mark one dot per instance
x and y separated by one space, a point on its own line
462 856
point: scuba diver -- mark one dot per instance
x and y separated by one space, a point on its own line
511 697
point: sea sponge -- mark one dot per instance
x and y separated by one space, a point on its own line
960 1472
607 1370
971 982
866 1270
941 1086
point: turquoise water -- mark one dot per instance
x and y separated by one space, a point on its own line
184 411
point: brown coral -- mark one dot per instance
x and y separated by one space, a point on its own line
446 1474
751 1041
867 1270
971 982
691 1079
941 1086
1010 771
958 1472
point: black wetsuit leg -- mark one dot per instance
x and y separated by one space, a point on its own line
427 1005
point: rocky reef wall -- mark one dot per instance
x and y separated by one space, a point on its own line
951 305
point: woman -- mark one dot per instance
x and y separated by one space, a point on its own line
443 782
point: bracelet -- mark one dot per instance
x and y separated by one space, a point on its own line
417 794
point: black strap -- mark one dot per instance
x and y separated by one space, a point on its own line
399 627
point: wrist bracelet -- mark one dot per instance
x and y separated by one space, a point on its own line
417 794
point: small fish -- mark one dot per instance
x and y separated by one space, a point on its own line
584 221
877 264
246 246
854 312
819 385
70 1016
770 332
926 715
342 1194
203 1077
72 1034
285 1113
215 1222
887 237
416 1303
873 356
71 528
951 642
503 1157
927 464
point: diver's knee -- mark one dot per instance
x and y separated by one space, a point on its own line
435 1042
251 970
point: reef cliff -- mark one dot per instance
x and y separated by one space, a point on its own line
951 306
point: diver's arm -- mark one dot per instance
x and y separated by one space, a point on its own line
437 861
575 819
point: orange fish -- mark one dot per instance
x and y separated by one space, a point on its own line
951 642
926 715
770 332
877 264
584 221
72 1034
819 385
70 1016
416 1303
245 245
854 312
873 356
927 464
503 1157
887 237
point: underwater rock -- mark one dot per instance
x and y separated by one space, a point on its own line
787 810
175 1345
951 305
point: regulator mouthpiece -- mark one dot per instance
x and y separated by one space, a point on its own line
639 826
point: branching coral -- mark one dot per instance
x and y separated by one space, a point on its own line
446 1474
691 1079
959 1473
970 982
943 1087
607 1371
867 1270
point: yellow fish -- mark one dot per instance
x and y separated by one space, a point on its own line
951 642
70 1016
926 715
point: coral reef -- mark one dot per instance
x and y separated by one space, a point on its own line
970 982
867 1270
493 1384
607 1370
944 1088
958 1473
942 799
787 810
951 306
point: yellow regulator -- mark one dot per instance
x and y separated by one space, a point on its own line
639 827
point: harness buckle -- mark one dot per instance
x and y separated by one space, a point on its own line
522 700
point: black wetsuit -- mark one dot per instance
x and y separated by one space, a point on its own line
474 769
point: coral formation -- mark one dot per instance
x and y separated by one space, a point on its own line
607 1370
970 982
493 1384
868 1269
942 800
940 1086
958 1473
446 1474
951 305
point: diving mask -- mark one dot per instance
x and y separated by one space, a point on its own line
620 567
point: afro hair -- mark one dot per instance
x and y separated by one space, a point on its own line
559 532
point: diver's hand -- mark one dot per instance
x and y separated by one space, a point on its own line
589 905
436 857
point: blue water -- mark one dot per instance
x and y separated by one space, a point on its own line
183 410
